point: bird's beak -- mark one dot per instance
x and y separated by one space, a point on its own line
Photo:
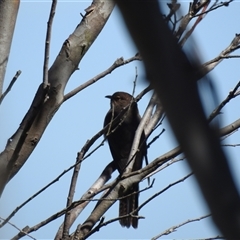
108 96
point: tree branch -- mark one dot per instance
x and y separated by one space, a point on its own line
8 16
10 85
173 228
231 95
21 231
118 63
234 45
84 200
50 99
174 79
47 43
133 177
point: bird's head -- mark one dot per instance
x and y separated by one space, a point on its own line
119 100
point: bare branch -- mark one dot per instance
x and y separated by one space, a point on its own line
163 190
131 179
21 231
230 96
103 223
213 238
73 184
8 16
231 145
230 128
167 164
173 228
10 85
47 43
174 7
98 211
234 45
135 82
193 9
157 115
199 19
155 138
50 99
85 148
33 196
87 196
215 6
231 56
118 63
144 122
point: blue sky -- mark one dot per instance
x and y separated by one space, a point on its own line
82 116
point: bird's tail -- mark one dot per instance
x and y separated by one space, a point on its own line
126 206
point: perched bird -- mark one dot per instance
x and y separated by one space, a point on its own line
120 143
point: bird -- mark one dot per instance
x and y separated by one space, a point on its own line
120 142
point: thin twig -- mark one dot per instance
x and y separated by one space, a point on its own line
233 46
66 224
173 228
213 238
155 138
230 96
47 43
135 82
87 197
231 56
152 166
163 190
22 231
88 144
103 223
118 63
10 85
214 7
167 164
231 145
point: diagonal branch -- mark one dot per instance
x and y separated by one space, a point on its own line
10 85
47 101
111 197
22 231
233 46
232 94
118 63
173 228
216 6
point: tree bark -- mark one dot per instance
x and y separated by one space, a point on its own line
47 101
8 16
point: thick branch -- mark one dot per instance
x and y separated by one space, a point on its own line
38 117
126 180
8 16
